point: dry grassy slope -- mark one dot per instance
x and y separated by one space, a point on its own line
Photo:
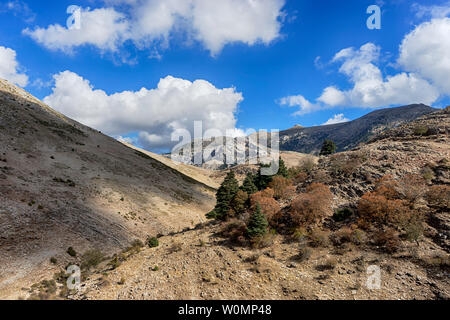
196 173
118 194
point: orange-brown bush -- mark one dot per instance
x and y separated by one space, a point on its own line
239 202
282 187
388 240
269 206
377 208
235 231
312 206
300 177
439 196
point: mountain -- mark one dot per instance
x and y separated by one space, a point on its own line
348 135
303 140
63 184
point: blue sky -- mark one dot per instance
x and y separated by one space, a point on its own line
276 72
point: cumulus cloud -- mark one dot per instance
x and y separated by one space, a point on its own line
433 11
370 89
301 102
426 51
337 118
154 113
150 23
104 28
9 67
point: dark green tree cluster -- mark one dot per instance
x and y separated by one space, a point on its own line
328 147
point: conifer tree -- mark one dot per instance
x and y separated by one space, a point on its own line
282 171
328 147
249 184
257 225
228 189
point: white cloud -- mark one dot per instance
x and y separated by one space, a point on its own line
104 28
9 67
151 23
433 11
337 118
155 113
370 89
426 51
304 105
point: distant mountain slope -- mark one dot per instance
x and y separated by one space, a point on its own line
349 134
63 184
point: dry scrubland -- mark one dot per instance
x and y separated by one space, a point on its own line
136 223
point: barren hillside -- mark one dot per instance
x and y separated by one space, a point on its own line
63 184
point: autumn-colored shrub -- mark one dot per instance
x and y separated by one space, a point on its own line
239 202
377 208
439 196
282 187
235 231
318 238
312 206
300 177
388 240
269 206
348 234
412 187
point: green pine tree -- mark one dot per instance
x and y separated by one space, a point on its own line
328 147
283 171
262 181
228 189
257 225
249 184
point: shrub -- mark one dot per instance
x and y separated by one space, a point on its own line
427 173
412 187
264 241
388 240
71 251
414 230
304 253
282 187
376 208
328 264
268 205
318 238
328 147
152 242
211 215
91 259
122 281
300 177
439 196
53 260
239 202
342 214
257 225
235 231
348 235
420 130
312 206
